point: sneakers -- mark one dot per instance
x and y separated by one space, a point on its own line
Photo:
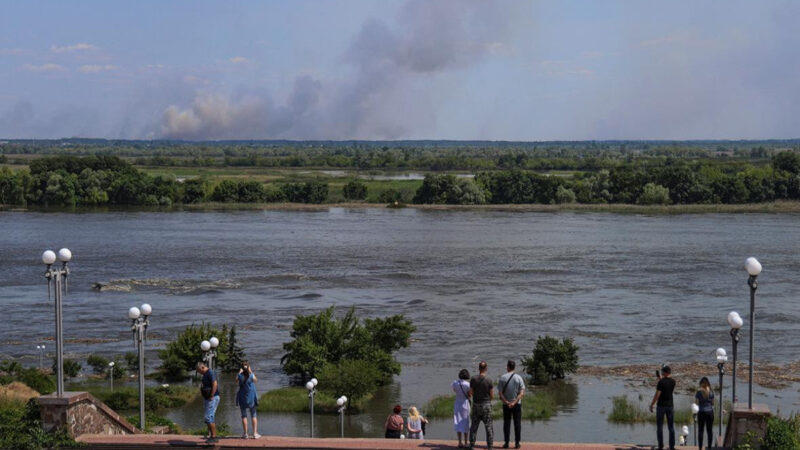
256 436
245 436
517 445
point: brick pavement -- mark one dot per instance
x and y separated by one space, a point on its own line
149 441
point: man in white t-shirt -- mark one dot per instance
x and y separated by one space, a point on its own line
511 387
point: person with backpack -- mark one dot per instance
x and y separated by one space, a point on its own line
511 388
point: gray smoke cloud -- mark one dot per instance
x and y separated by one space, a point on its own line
395 68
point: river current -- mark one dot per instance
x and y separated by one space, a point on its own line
477 284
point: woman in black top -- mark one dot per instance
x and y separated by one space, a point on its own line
705 417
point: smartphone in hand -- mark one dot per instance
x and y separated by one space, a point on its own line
658 373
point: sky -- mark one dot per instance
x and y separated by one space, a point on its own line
384 69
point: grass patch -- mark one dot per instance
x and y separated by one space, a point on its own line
626 411
536 406
153 420
295 400
155 398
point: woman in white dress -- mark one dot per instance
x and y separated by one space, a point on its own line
461 407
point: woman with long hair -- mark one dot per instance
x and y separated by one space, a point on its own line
415 421
705 417
247 398
461 407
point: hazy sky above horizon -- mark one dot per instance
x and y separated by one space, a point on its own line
420 69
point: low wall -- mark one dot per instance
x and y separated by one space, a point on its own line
743 420
80 413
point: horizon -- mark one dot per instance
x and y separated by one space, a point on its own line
412 70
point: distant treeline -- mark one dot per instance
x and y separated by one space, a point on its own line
400 155
673 182
99 180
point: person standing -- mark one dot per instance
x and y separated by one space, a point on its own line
210 390
663 398
705 417
480 390
461 406
511 388
247 398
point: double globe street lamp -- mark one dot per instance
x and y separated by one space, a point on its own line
139 318
341 402
209 351
57 281
41 355
753 268
311 385
722 358
695 411
736 322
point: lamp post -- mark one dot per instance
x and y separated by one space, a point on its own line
342 403
722 357
311 386
684 434
111 374
41 355
57 277
139 317
695 410
736 322
753 268
209 347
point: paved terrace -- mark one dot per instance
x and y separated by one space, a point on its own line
149 441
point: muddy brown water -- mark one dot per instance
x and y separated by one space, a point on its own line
630 289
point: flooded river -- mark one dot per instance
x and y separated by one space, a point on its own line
477 284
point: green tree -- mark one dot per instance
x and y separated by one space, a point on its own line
235 353
354 378
182 354
551 359
564 195
98 364
653 194
355 190
322 338
71 368
227 191
787 161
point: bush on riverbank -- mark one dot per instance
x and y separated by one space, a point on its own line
156 398
320 339
34 378
536 406
21 428
782 434
551 359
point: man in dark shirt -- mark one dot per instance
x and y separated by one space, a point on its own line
480 390
663 400
210 391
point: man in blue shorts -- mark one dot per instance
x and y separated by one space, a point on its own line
210 390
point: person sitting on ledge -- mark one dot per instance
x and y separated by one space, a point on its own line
394 423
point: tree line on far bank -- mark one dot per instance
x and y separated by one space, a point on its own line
109 180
